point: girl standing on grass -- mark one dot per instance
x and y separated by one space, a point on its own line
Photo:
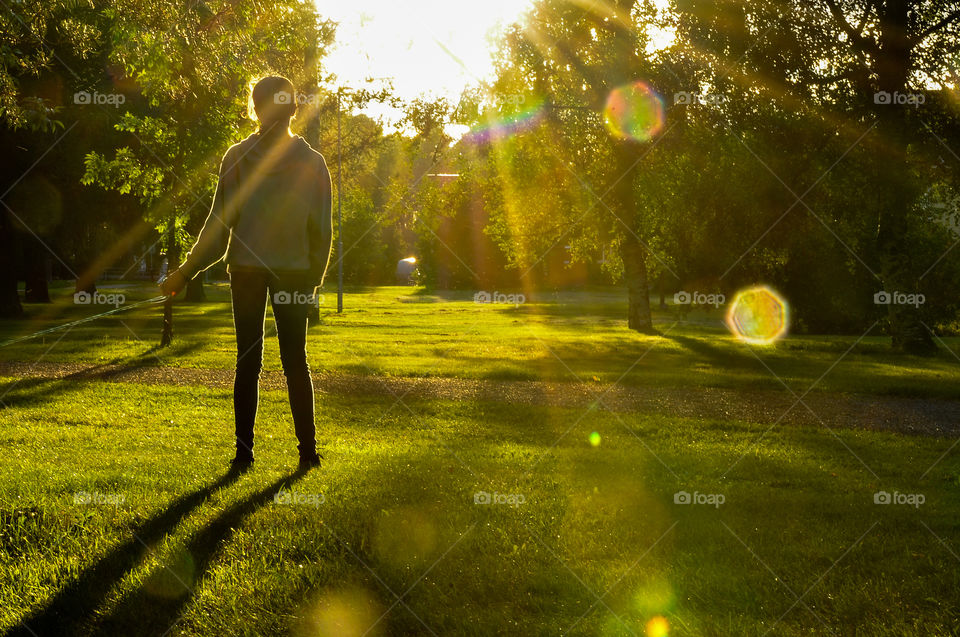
271 221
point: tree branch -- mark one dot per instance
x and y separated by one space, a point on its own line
846 75
871 4
945 22
862 44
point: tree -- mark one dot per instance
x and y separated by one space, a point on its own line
567 61
45 49
193 64
863 65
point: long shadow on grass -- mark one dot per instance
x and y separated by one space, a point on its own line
156 606
40 389
75 602
720 357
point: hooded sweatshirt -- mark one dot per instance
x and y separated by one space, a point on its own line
271 212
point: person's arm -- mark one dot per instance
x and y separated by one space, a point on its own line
321 228
211 245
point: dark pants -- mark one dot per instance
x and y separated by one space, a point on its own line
249 291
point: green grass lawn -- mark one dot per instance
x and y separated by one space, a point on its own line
398 331
118 516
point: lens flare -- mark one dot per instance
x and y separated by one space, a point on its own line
595 439
502 128
404 536
654 598
658 627
634 111
758 315
350 612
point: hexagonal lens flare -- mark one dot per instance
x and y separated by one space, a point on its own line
634 111
758 315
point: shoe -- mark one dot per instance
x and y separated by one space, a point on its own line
308 462
241 463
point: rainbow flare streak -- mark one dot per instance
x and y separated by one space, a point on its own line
758 315
507 126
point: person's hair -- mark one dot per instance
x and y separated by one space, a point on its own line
271 98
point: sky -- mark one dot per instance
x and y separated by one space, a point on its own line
428 47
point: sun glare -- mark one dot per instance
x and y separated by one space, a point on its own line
427 47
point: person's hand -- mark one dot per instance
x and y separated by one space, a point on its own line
173 284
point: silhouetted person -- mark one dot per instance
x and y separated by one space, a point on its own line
271 220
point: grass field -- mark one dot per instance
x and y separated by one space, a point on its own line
468 516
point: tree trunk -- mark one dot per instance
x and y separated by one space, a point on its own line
9 296
38 270
638 291
166 337
906 325
623 171
632 250
893 171
173 260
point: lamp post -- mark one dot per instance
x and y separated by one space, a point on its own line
339 211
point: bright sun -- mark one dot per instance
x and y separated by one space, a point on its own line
428 47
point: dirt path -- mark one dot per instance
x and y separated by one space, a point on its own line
906 415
